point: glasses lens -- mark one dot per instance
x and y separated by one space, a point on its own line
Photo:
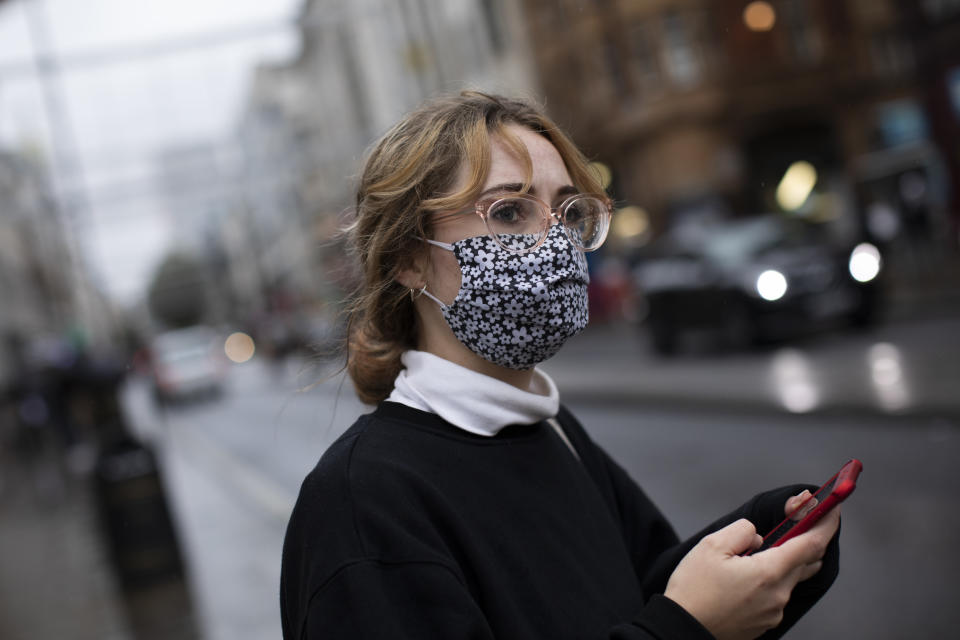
586 220
517 223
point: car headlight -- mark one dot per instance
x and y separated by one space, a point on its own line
771 285
864 262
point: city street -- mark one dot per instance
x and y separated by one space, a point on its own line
766 195
233 468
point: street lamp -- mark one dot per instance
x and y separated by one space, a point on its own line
759 16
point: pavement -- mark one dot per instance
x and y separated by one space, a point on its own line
55 578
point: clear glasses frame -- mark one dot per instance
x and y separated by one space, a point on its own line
562 214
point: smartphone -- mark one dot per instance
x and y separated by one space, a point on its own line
808 513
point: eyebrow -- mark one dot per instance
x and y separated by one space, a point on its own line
517 187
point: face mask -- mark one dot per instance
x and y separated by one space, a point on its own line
517 310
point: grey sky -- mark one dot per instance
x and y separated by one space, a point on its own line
122 111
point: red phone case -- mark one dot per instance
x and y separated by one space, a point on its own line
837 489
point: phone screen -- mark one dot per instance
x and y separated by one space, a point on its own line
832 493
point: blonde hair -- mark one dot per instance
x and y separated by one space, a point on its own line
408 177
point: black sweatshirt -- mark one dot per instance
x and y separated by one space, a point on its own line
410 527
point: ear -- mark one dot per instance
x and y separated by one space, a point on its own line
412 275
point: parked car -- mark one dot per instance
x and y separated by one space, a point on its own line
187 363
752 279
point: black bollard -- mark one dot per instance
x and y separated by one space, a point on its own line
136 517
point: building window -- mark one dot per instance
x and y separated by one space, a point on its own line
803 35
890 55
595 74
558 11
615 69
645 64
680 57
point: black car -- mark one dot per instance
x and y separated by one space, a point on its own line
752 279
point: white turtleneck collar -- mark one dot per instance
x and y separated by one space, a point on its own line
470 400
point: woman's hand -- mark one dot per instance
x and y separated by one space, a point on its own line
737 597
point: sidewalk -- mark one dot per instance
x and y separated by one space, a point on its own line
57 577
54 575
907 365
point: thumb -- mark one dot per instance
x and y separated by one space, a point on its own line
736 538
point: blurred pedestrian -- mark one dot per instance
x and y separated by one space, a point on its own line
470 503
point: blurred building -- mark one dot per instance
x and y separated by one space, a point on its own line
364 64
39 292
934 28
307 124
198 185
703 105
272 161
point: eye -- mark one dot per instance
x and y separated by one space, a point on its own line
582 211
510 212
576 213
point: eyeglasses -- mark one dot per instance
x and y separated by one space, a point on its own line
519 223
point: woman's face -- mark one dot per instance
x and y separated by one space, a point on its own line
550 182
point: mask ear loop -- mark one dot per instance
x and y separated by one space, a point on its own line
432 297
423 291
416 293
437 243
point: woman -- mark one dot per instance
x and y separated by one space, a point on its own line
470 503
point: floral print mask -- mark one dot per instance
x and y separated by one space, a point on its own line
517 310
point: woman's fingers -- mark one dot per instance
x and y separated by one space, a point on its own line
735 538
808 547
734 596
795 501
800 505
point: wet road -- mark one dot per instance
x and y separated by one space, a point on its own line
233 468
